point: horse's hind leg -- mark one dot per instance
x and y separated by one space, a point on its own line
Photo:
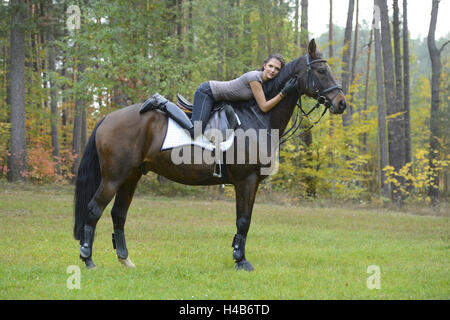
119 216
96 206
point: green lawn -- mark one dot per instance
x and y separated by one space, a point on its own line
182 250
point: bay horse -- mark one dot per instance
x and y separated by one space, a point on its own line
126 144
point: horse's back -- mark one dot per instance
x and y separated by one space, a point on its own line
125 136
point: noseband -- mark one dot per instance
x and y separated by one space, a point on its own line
312 80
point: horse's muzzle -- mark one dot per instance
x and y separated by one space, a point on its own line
339 106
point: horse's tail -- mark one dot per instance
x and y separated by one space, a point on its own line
87 183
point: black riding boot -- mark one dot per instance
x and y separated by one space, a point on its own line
203 103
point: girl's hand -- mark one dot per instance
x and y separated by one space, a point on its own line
290 86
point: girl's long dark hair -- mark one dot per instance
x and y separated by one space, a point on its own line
277 56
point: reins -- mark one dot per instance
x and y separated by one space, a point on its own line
321 100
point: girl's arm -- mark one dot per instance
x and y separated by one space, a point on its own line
260 98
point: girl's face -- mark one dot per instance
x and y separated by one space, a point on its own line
271 69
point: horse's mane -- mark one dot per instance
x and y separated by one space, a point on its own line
249 112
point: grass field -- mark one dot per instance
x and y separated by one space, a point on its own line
182 250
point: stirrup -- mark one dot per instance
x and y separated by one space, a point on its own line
215 173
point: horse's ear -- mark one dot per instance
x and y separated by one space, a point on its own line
312 48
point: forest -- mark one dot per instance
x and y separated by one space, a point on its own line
66 64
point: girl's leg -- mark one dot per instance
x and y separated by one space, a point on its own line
203 103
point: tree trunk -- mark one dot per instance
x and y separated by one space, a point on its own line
406 82
397 54
221 42
64 120
382 139
366 89
331 53
350 111
181 27
17 164
346 60
394 109
77 146
76 139
53 92
306 138
296 18
436 69
83 138
330 33
407 126
304 36
355 45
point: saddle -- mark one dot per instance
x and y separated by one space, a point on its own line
223 117
186 106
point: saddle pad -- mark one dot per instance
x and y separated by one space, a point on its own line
176 136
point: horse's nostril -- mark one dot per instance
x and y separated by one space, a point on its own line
342 104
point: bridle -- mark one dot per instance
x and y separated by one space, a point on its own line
319 91
312 80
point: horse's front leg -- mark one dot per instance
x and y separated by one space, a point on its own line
245 198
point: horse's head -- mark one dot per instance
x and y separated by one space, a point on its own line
318 81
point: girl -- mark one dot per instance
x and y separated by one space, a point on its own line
246 87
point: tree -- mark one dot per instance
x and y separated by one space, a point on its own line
17 163
331 51
399 77
355 46
346 60
436 67
348 118
393 107
296 20
382 139
304 37
306 137
366 85
397 54
78 125
406 82
331 33
53 89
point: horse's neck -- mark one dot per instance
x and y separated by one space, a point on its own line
282 113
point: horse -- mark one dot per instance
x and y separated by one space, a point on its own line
126 144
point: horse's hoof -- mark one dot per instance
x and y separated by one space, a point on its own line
90 265
244 265
127 262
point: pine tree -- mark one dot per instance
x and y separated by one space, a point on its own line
17 164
